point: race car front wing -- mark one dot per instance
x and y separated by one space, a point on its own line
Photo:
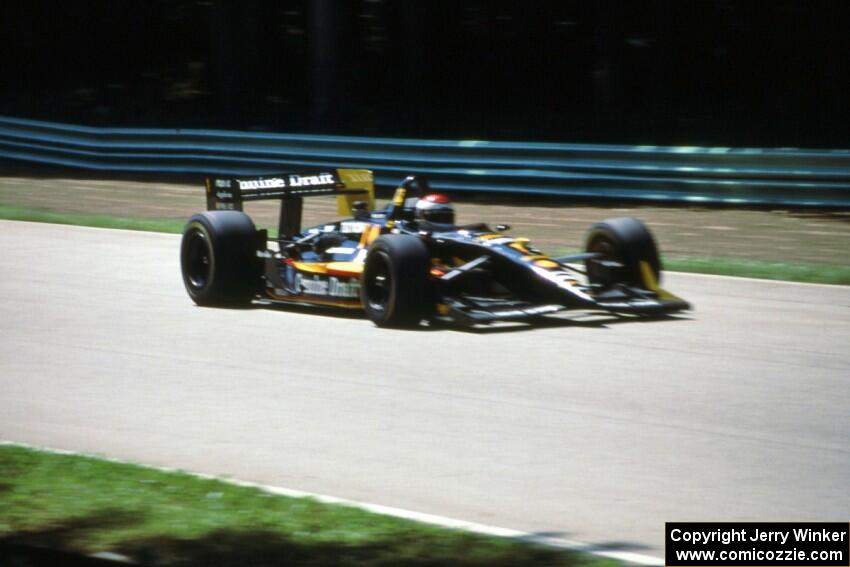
621 299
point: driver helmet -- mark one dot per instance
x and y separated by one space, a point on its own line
436 208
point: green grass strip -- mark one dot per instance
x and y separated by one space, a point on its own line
88 505
101 221
810 273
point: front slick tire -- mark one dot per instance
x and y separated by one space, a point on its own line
628 243
218 258
394 288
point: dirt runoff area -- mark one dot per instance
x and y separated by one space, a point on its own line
802 236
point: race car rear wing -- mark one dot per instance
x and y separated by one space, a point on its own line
349 185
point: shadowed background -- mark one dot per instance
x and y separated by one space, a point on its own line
709 73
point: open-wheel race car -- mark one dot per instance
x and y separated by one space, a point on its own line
407 262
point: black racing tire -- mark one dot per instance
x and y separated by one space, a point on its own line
626 241
218 258
394 286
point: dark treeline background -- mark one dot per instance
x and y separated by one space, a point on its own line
767 73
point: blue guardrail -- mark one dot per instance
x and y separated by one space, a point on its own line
778 176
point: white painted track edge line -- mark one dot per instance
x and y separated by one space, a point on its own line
98 228
432 519
754 280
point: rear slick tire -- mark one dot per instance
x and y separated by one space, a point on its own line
394 285
218 258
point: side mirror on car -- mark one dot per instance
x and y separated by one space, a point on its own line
503 227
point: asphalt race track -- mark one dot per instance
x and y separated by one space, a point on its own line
594 429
